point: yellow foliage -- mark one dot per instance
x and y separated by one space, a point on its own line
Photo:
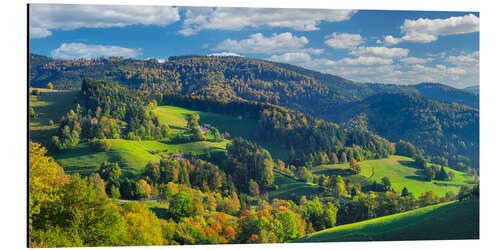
46 178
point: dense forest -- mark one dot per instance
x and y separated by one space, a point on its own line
230 78
439 129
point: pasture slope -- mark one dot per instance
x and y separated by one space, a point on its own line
49 105
291 189
132 156
446 221
401 172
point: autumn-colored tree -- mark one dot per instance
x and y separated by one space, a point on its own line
193 120
354 166
143 227
144 190
267 173
46 178
343 157
254 188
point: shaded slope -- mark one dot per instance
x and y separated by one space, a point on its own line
438 128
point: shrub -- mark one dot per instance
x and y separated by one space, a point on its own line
100 145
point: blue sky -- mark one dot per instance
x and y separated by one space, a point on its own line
403 47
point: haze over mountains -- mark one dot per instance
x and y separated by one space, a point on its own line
473 89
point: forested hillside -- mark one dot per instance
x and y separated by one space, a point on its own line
439 129
230 78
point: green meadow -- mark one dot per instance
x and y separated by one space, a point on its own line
49 105
401 172
291 189
132 156
452 220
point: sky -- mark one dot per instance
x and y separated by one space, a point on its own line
401 47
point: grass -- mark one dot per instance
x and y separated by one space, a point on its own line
132 156
452 220
176 118
290 189
401 172
49 105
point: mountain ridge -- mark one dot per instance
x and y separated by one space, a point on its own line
326 89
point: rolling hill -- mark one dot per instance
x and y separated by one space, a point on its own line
401 172
446 221
439 128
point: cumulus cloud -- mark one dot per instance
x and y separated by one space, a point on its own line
343 40
197 19
224 54
471 59
415 60
47 17
305 60
80 50
258 43
424 30
292 57
439 68
380 52
365 60
384 70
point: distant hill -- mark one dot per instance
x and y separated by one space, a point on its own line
231 78
440 129
447 221
472 89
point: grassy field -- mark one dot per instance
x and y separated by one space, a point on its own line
176 118
49 105
132 156
401 172
453 220
291 189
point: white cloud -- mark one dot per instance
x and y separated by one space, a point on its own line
415 60
383 70
465 60
293 57
258 43
305 60
159 60
80 50
198 19
343 40
424 30
224 54
313 51
438 69
440 54
365 60
380 52
47 17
